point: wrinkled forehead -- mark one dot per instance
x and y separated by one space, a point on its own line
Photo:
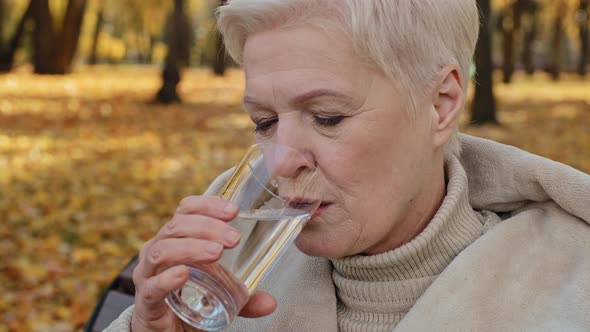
290 61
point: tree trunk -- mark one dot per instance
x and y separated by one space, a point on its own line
179 39
151 48
527 52
54 51
511 23
97 28
7 54
142 52
556 43
2 8
508 45
584 22
220 61
69 36
170 79
530 35
43 37
483 109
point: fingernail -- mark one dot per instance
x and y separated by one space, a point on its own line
231 237
214 248
229 209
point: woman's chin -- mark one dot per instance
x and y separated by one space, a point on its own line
312 244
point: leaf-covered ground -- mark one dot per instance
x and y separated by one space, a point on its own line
89 170
544 117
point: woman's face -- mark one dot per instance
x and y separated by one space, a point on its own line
308 90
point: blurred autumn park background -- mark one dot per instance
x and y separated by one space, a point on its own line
112 111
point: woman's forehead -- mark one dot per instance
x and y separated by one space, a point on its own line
297 47
296 64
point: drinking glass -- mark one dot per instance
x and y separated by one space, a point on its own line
273 186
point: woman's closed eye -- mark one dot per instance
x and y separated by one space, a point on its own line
324 121
328 121
264 125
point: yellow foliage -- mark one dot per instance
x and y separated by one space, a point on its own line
111 48
90 170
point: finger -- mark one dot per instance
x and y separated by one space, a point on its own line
149 301
145 248
200 227
260 304
187 251
212 206
137 276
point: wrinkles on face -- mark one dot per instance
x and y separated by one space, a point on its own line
287 86
370 163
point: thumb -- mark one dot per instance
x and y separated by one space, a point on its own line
260 304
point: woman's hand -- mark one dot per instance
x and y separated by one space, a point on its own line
197 233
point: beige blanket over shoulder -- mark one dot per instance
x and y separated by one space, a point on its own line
529 272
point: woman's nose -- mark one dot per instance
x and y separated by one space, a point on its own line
287 162
291 154
290 162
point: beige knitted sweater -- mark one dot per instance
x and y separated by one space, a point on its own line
509 250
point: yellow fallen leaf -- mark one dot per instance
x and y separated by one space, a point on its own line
83 255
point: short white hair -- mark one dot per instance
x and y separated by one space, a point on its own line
408 40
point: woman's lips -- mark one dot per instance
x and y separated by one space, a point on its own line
303 203
323 207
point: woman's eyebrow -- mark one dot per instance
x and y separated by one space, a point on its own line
253 102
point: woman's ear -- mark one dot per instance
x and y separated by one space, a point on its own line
448 103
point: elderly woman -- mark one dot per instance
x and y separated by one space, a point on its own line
422 229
